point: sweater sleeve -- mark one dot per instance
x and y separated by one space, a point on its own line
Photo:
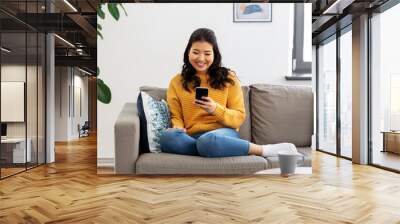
233 114
174 106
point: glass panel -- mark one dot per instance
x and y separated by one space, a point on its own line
394 102
346 94
386 89
31 99
13 86
327 97
23 89
41 99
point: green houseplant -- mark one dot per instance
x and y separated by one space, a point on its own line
103 91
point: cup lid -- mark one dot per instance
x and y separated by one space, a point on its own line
289 154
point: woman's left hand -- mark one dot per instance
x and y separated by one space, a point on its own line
207 104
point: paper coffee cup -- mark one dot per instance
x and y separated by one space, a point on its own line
288 163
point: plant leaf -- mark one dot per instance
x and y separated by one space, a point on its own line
100 11
122 6
98 71
99 27
112 8
103 92
99 34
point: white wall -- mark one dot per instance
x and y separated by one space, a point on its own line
146 48
80 83
61 103
68 81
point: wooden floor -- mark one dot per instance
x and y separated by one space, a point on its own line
70 191
8 171
5 172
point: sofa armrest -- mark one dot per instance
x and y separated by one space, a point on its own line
127 133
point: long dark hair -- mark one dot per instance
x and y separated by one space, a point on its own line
218 75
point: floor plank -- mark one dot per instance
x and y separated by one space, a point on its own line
70 191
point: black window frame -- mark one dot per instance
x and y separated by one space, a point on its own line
301 69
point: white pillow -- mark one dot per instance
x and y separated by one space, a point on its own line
157 117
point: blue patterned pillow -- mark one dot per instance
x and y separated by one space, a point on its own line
157 117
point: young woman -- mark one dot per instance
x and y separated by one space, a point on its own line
209 127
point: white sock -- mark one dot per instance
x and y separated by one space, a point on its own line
275 149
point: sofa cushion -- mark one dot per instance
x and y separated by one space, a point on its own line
166 163
281 114
157 119
143 139
273 162
245 129
157 93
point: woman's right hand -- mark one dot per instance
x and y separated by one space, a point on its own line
176 128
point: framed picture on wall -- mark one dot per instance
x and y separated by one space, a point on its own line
252 12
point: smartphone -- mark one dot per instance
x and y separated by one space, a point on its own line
200 92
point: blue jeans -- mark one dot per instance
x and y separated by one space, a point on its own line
221 142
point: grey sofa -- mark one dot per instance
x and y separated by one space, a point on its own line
274 114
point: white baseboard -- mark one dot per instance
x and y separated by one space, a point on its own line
105 162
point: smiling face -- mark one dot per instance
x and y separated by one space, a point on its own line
201 56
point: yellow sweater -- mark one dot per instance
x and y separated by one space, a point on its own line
229 112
